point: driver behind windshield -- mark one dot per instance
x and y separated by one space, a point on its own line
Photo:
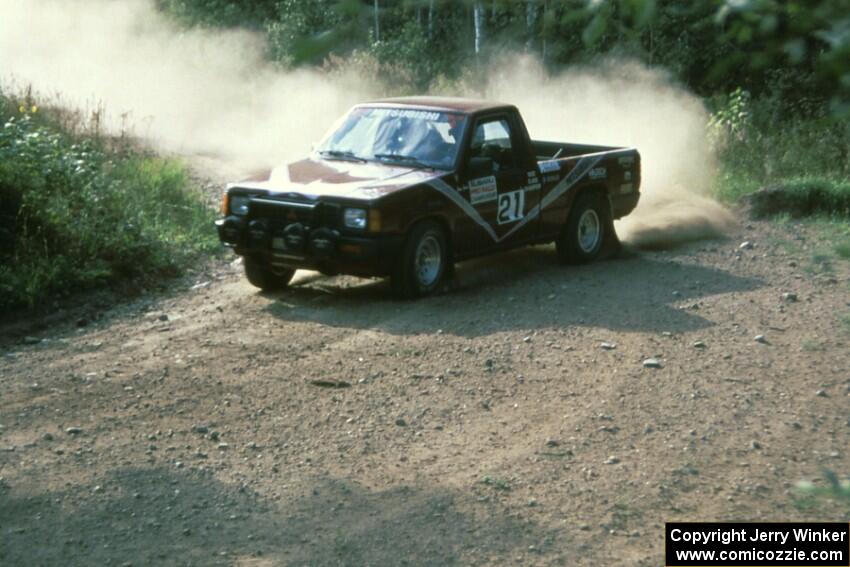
393 136
413 138
436 150
440 149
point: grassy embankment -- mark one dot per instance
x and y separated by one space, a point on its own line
80 210
804 162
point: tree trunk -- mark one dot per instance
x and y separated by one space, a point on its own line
430 18
377 21
530 23
478 22
543 32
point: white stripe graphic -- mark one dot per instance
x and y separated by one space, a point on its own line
464 205
584 165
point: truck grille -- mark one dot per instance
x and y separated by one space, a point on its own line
283 212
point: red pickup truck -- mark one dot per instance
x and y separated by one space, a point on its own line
406 187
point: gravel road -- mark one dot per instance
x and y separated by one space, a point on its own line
530 415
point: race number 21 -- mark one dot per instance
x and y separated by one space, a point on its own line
511 207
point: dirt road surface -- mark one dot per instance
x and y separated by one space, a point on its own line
331 425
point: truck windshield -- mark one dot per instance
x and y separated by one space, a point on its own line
404 136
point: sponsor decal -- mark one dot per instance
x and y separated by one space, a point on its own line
627 176
406 113
581 168
511 207
531 187
626 188
547 166
598 173
482 190
551 178
626 161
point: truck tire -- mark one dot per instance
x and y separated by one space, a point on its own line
588 227
423 262
262 276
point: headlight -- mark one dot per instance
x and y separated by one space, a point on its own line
355 218
239 204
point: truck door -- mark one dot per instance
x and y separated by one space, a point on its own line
499 185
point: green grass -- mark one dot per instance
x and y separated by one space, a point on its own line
797 198
834 232
828 243
841 240
497 483
805 159
79 211
786 245
790 197
809 496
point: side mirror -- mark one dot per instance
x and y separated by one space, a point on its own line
481 167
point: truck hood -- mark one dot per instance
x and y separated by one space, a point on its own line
314 178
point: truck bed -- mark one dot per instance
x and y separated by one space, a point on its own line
557 150
615 168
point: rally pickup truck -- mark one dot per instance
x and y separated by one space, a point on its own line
406 187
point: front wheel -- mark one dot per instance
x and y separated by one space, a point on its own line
262 276
423 262
588 226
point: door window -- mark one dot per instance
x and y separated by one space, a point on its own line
491 142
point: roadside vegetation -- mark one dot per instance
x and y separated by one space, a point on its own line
81 211
802 155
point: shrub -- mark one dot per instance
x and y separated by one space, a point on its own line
76 213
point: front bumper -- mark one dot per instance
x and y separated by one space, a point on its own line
299 246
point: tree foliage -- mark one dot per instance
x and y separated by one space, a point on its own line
800 48
222 12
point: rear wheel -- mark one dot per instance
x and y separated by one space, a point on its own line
423 262
261 275
588 227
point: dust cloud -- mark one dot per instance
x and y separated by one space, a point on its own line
626 104
212 96
209 94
